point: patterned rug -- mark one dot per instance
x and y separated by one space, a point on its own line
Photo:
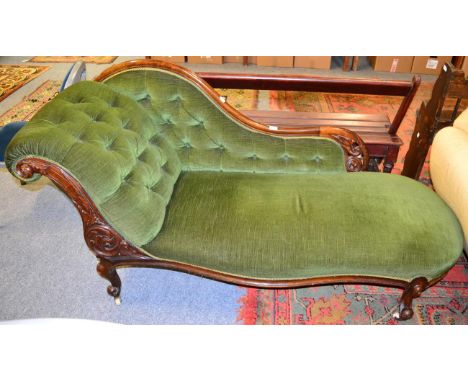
24 110
340 103
445 303
87 59
12 77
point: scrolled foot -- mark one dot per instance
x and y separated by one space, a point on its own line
107 270
413 290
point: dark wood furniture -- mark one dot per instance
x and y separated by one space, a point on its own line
377 131
449 92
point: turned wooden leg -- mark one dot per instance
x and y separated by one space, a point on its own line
107 270
413 290
391 158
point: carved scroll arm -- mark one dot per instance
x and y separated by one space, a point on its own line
357 156
100 237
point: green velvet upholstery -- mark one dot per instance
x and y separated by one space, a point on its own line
109 144
177 176
207 139
280 226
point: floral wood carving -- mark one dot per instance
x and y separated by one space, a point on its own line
356 156
100 237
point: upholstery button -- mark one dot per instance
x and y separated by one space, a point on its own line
285 157
318 159
108 144
253 157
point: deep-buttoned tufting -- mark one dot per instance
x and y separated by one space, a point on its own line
206 138
111 145
126 142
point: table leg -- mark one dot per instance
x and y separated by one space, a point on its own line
390 158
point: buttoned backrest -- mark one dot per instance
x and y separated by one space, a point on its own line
109 143
126 142
207 138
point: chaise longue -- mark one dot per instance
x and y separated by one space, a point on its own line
166 174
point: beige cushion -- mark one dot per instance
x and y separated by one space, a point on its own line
462 121
449 169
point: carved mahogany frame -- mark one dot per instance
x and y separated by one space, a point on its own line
356 155
113 251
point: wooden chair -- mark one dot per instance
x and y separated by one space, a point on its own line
449 92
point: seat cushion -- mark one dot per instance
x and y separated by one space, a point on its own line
289 226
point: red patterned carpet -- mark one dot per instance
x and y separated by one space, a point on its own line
445 303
